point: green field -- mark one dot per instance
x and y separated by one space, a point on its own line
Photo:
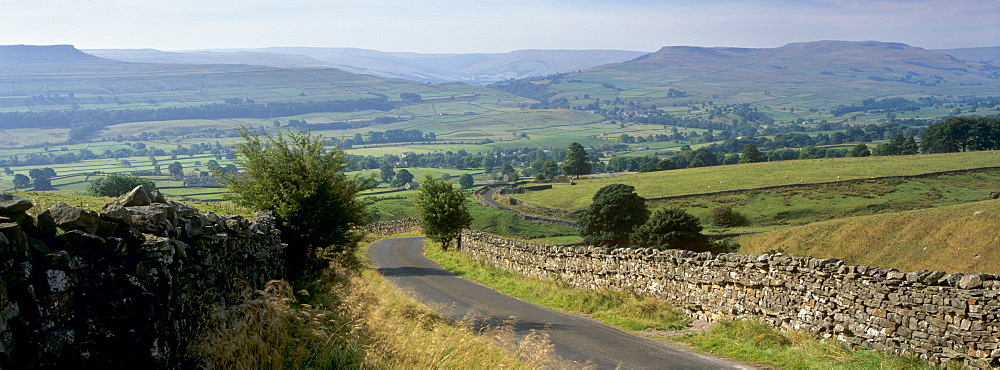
768 209
755 175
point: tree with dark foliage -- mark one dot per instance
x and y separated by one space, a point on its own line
671 229
615 210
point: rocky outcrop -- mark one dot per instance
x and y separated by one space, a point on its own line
935 315
124 287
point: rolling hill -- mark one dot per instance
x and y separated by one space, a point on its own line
820 74
87 81
991 54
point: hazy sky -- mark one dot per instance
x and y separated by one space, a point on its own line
493 26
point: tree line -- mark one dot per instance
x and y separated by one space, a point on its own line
83 122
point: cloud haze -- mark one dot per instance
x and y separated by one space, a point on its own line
493 26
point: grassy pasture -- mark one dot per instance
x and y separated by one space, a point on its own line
754 175
769 209
957 238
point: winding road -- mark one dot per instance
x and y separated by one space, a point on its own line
575 338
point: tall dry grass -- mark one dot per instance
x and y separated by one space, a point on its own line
959 238
353 317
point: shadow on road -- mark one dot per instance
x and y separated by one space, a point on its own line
413 271
482 323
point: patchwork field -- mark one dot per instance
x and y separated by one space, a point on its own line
754 175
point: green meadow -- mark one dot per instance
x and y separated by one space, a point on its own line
754 175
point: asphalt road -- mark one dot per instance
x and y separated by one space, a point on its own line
575 338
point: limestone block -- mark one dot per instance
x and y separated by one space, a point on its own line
12 204
70 218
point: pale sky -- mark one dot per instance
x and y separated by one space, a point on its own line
448 26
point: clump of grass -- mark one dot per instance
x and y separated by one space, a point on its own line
756 342
623 309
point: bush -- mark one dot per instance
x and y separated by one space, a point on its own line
725 216
609 220
303 184
115 185
671 229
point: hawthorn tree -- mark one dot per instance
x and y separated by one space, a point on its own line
304 185
615 210
466 181
114 185
443 213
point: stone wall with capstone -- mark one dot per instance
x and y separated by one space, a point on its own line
934 315
127 287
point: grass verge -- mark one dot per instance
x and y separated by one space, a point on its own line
756 342
744 340
625 310
352 317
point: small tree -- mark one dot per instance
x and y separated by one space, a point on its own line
402 177
549 170
303 184
751 154
860 150
615 210
176 169
42 183
443 213
41 178
466 181
387 173
21 181
577 162
671 229
724 215
114 185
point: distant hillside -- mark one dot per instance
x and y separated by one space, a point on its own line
961 238
269 59
472 68
991 54
71 79
20 55
817 74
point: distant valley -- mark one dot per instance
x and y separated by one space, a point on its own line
477 68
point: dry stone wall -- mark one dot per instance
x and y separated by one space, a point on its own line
393 227
935 315
127 287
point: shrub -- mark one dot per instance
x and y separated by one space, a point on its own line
671 229
293 176
114 185
724 215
